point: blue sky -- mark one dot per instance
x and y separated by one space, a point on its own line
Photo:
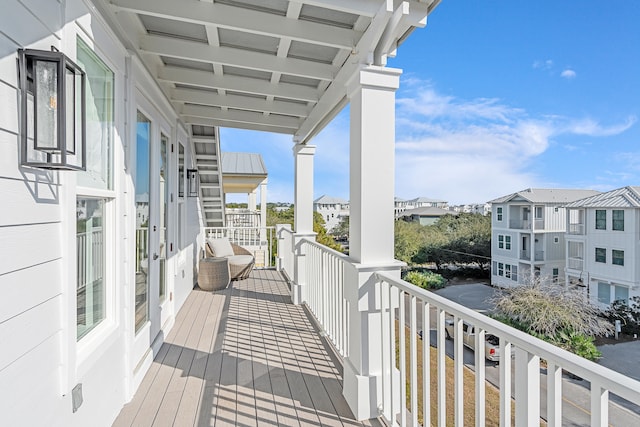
496 97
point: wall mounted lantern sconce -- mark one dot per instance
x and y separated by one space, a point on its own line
53 128
193 182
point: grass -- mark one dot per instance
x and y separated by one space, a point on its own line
492 400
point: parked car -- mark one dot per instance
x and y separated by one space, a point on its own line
491 342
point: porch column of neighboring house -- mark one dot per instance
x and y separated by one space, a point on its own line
303 215
263 205
371 93
251 201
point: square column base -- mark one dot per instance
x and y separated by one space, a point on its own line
360 392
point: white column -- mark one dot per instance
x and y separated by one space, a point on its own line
263 204
251 201
303 215
371 230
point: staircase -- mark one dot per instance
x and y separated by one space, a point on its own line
208 162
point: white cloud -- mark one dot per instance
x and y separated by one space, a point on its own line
591 127
568 74
544 65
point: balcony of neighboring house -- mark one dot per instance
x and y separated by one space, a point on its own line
576 218
575 256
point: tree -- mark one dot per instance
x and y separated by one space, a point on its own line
287 217
341 231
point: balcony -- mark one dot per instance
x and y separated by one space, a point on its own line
247 356
575 263
526 255
576 229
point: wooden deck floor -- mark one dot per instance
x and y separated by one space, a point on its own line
244 356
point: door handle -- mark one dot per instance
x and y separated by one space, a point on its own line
155 257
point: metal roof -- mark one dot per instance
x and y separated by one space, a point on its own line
328 200
428 211
243 164
625 197
271 65
546 195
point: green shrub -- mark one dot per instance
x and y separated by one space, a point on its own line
627 313
579 344
425 279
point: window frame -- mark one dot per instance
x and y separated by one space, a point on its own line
601 253
619 258
507 242
601 223
617 224
500 241
499 213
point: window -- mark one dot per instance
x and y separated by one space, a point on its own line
556 239
604 293
539 210
601 255
500 241
601 219
617 257
90 290
93 237
507 242
554 274
621 293
500 269
617 220
99 116
499 214
514 273
555 209
142 144
507 271
180 170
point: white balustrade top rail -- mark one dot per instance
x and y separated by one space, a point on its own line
257 240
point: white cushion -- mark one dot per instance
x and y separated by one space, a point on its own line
221 247
240 260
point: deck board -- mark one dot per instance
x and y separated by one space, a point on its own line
242 356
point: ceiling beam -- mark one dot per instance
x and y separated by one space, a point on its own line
241 19
238 102
237 125
239 116
237 84
176 48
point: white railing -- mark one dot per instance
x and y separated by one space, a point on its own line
325 292
285 252
257 240
575 263
142 252
242 219
417 304
90 254
576 229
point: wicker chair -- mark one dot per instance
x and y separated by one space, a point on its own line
240 263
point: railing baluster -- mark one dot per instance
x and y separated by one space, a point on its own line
387 363
505 383
426 364
441 366
527 388
554 394
480 377
403 360
413 360
458 365
599 405
392 353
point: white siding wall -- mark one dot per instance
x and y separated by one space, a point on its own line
40 358
554 221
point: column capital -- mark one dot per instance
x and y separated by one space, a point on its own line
373 76
304 149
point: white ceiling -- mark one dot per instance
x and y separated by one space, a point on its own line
272 65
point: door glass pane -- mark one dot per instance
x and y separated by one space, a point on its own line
143 130
164 205
90 254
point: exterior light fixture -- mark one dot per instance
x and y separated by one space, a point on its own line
193 182
53 128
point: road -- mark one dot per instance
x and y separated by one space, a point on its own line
576 395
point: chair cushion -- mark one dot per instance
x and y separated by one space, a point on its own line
220 247
240 259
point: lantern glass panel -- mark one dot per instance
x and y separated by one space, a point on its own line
46 77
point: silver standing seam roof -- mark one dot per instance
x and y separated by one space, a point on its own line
547 195
625 197
243 164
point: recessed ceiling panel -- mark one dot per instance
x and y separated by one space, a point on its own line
297 80
248 41
328 16
312 52
187 63
246 72
171 28
276 7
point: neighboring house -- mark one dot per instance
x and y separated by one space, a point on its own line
402 205
332 209
527 234
603 245
425 216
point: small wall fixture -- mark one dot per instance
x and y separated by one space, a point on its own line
193 182
52 130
